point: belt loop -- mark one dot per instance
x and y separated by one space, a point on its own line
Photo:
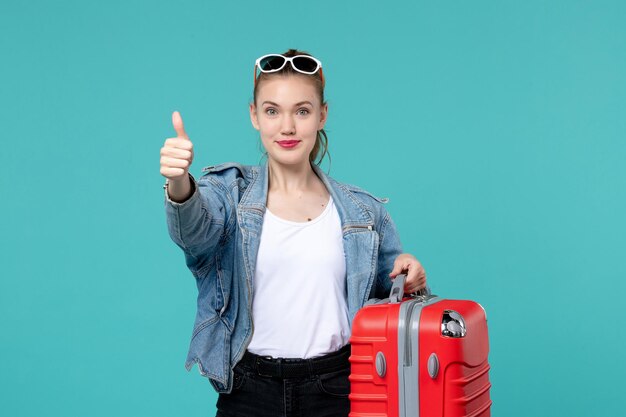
279 361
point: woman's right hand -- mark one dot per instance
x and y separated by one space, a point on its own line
176 158
176 153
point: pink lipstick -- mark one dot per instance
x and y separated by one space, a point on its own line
288 144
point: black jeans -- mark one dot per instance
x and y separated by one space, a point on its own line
317 394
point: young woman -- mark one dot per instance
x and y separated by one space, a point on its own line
283 255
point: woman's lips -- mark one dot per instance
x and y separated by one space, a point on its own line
287 143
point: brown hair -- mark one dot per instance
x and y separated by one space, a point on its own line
321 143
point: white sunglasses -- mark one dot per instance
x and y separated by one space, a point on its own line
305 64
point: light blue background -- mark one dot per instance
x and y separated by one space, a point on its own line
496 128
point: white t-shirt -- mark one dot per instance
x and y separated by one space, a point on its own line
299 309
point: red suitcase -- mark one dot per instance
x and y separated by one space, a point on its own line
419 356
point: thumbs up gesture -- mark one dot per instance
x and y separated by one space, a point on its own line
177 153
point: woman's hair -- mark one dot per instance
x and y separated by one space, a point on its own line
321 143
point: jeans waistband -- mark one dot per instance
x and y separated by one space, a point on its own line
296 367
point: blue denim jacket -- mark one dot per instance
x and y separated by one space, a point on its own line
219 228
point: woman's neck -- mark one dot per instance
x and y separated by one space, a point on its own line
292 178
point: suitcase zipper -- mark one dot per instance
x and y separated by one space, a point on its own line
408 357
407 334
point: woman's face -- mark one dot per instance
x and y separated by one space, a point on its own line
288 113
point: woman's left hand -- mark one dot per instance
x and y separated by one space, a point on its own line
415 274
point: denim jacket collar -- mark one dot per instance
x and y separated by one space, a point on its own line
351 211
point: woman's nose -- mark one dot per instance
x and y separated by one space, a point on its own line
288 126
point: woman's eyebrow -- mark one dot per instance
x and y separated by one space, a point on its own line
295 105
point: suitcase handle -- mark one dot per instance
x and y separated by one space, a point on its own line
397 290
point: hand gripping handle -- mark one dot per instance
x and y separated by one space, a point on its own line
397 290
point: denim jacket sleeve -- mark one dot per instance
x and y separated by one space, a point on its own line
389 249
197 224
389 245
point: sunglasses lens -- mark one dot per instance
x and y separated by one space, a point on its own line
272 63
305 64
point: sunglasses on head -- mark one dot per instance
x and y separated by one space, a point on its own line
304 64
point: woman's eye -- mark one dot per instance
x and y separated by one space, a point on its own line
303 111
270 111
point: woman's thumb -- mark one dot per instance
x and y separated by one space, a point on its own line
179 127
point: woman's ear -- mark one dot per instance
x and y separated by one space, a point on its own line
253 118
323 116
